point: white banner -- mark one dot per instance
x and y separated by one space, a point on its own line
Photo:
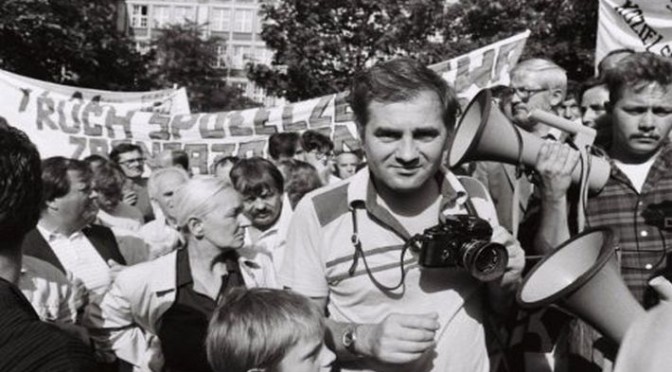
76 127
636 24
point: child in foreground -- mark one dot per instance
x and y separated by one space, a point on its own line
267 330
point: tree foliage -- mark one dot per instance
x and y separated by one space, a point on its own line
564 31
318 44
69 42
184 58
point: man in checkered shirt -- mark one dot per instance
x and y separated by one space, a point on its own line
637 199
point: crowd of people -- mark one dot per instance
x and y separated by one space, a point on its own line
308 260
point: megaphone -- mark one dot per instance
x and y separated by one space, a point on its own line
485 134
582 276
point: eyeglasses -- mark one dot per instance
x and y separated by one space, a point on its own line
131 161
525 93
323 155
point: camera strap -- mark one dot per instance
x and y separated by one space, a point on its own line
360 252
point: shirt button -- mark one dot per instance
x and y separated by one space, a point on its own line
644 233
648 266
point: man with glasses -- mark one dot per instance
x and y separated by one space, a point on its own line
319 152
535 84
130 159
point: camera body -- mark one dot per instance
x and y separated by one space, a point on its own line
463 241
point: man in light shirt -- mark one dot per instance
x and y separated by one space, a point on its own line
63 237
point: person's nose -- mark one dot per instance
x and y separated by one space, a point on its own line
259 204
588 118
407 150
647 122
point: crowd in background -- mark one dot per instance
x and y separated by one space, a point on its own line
142 265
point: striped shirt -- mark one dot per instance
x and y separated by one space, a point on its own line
27 344
80 257
642 221
319 263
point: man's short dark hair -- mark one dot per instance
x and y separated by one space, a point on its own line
300 179
180 158
123 148
637 71
20 184
400 80
589 84
283 144
232 159
108 180
55 179
314 140
606 62
95 158
253 176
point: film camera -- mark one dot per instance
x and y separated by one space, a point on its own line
462 241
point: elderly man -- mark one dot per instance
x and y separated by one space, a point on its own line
161 235
25 342
346 245
635 200
130 159
535 84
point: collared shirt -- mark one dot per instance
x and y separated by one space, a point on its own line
642 221
184 326
272 241
48 290
78 256
27 344
319 262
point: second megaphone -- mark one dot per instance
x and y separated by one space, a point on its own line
485 134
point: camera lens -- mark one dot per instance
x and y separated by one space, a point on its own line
485 261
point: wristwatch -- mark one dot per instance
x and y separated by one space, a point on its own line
349 338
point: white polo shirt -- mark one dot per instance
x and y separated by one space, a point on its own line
319 255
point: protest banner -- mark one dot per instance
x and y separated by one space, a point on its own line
78 125
641 25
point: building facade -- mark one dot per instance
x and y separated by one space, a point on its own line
236 22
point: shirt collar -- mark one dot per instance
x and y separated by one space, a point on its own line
51 235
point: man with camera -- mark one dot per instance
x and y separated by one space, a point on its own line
355 247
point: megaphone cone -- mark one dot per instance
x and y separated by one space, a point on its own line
582 275
485 134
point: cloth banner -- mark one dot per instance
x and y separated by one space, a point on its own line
641 25
63 123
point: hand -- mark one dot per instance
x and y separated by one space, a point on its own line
399 338
115 268
514 268
555 163
130 197
80 295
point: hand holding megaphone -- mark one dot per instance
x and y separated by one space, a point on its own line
485 134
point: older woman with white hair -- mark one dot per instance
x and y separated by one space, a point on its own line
156 314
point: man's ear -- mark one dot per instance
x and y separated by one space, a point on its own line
195 226
53 204
556 97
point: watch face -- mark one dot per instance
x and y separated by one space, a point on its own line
348 338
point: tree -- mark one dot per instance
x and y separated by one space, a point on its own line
184 58
564 31
69 42
319 44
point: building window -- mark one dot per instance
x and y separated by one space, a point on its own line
160 16
184 14
243 21
222 57
221 19
139 16
241 55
